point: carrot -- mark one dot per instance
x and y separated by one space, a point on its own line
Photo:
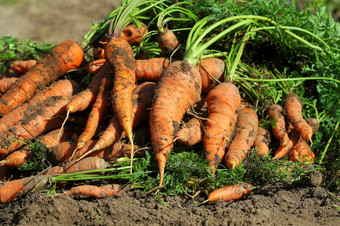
178 89
246 130
63 151
64 57
5 84
212 71
232 192
191 133
283 151
151 69
63 87
35 124
16 158
167 41
54 137
279 130
223 101
134 34
55 170
293 109
11 189
93 66
22 66
301 152
95 191
85 164
262 141
314 123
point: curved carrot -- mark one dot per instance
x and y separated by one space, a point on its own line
245 134
279 130
191 133
95 191
301 152
22 66
85 164
232 192
178 89
6 83
167 41
223 101
64 57
151 69
284 150
262 141
212 71
133 34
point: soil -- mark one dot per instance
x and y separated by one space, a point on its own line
53 21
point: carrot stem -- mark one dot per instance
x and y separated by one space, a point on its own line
328 143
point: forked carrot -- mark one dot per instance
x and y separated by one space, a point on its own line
22 66
95 191
232 192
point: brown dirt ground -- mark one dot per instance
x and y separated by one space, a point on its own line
55 21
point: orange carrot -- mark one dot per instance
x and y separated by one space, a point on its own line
133 34
35 124
61 59
301 152
85 164
63 151
5 84
245 134
232 192
212 71
191 133
22 66
16 158
63 87
178 89
151 69
167 41
55 170
262 141
223 101
293 109
283 151
93 66
95 191
279 130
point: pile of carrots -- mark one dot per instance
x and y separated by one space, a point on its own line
132 102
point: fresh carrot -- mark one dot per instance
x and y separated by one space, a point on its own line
167 41
64 57
22 66
283 151
134 34
55 170
178 89
95 191
54 137
93 66
191 133
63 151
223 101
245 134
301 152
85 164
262 141
279 129
63 87
293 109
212 72
16 158
232 192
35 124
151 69
6 83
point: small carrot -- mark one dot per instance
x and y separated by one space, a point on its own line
151 69
167 41
16 158
66 56
232 192
283 151
55 170
93 66
95 191
301 152
85 164
212 72
293 109
22 66
279 129
191 133
6 83
134 34
245 134
262 141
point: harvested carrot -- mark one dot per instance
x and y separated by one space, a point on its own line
55 170
6 83
134 34
283 151
16 158
85 164
191 133
35 124
178 89
167 41
93 66
95 191
245 134
301 152
279 130
212 72
63 87
63 151
223 101
293 109
64 57
151 69
22 66
232 192
262 141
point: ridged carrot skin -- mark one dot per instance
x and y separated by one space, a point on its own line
85 164
151 69
6 83
22 66
232 192
178 89
262 141
64 57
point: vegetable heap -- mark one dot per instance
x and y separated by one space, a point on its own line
160 76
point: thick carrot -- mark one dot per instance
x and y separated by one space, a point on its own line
167 41
55 170
293 109
262 141
191 133
93 66
245 134
151 69
133 34
223 101
63 151
178 89
16 158
301 152
63 87
22 66
283 151
64 57
212 71
85 164
6 83
35 124
95 191
279 130
119 55
232 192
